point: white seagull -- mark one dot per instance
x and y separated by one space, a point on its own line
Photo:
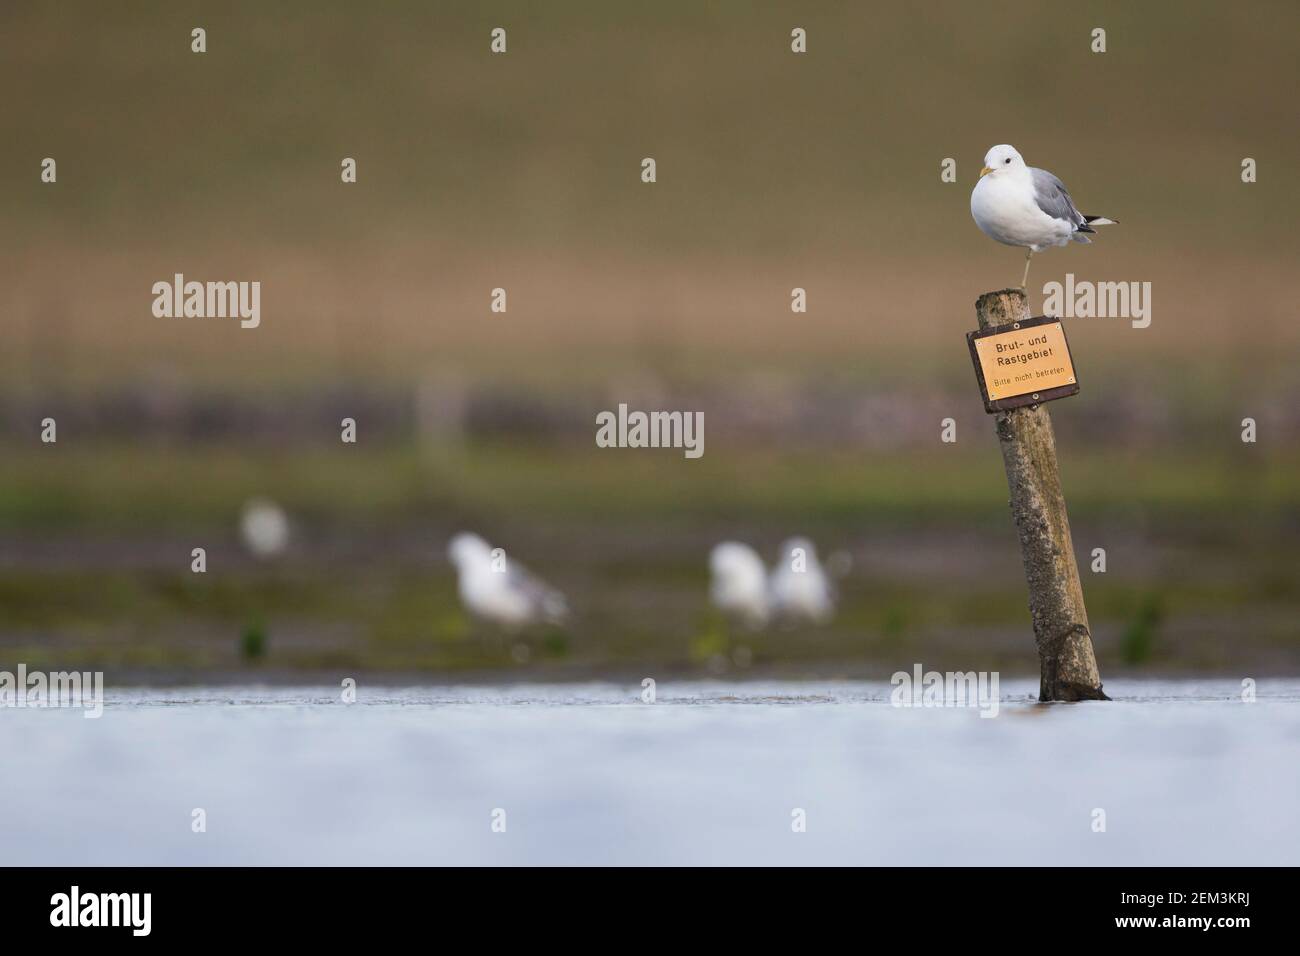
1019 205
799 588
264 528
499 590
739 584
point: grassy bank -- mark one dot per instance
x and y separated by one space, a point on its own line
97 553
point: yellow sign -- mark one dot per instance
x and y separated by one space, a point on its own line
1023 364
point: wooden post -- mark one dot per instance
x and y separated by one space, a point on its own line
1067 665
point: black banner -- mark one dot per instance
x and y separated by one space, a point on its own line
243 905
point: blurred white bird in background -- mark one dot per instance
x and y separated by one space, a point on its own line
799 588
739 584
264 528
499 590
1019 205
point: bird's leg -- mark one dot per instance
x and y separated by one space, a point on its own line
1024 282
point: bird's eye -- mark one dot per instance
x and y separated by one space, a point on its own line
1007 160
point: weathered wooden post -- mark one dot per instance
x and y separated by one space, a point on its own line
1038 369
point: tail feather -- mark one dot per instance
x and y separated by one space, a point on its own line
1100 221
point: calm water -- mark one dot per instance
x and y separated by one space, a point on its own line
1185 771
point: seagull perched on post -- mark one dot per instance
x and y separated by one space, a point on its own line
500 591
1019 205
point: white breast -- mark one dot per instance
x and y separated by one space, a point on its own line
1002 205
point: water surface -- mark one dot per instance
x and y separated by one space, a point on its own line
1185 772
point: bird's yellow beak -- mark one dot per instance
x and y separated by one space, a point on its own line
984 171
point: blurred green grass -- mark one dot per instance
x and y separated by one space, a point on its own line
119 487
365 586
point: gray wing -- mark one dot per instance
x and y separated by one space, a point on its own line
1052 198
545 599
